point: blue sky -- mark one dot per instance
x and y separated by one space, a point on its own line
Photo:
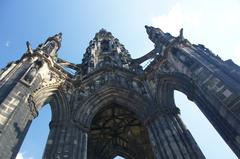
213 23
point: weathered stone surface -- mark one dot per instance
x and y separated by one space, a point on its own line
112 106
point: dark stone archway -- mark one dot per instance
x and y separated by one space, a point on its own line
116 131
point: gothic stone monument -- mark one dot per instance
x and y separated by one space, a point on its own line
112 106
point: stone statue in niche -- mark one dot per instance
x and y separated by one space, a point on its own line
32 107
33 71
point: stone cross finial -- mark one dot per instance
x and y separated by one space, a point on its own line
181 34
29 47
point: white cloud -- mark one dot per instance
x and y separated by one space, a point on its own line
175 19
22 155
236 54
217 29
7 44
237 50
200 16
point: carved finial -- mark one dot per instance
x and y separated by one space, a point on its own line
157 36
103 33
147 28
29 47
151 29
103 30
58 37
52 45
181 34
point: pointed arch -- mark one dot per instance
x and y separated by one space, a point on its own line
167 83
140 105
58 101
213 109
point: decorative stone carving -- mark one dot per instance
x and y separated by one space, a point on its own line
157 36
33 71
32 107
108 52
29 47
185 59
51 46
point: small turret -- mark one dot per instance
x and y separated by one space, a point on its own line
105 50
51 45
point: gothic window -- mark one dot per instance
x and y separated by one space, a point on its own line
107 59
105 46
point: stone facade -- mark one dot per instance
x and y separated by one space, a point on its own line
112 106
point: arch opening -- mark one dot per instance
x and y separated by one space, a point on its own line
208 139
116 133
166 86
50 105
34 143
118 157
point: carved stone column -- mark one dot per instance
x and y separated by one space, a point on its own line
223 121
66 140
16 115
170 138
